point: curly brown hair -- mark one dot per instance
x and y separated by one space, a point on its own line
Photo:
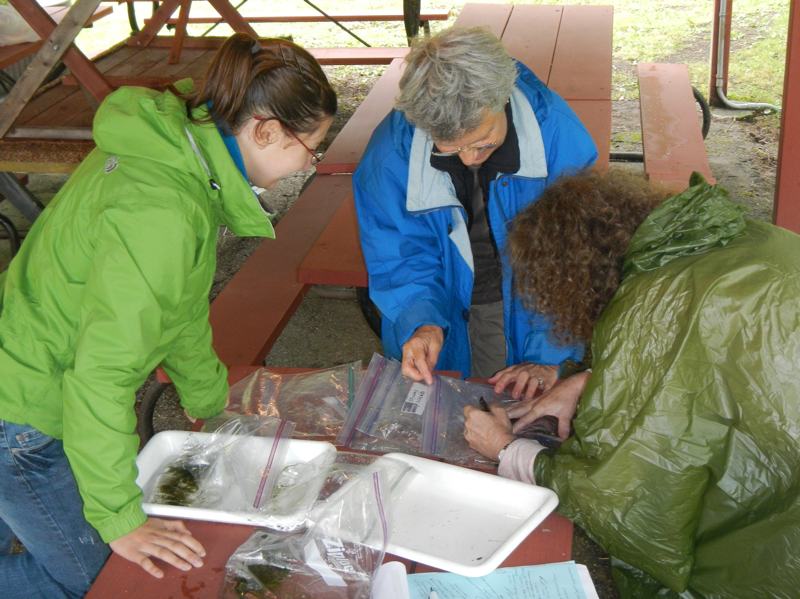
567 248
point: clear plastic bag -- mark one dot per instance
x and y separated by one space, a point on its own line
316 402
234 468
393 413
336 558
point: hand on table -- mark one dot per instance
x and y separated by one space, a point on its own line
560 401
168 540
528 379
421 352
487 432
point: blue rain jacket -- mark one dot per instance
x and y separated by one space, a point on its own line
414 234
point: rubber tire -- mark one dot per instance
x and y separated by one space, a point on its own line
144 426
13 234
370 311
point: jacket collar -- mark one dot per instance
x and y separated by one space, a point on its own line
429 188
238 207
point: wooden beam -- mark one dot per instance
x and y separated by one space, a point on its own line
156 22
232 17
786 212
83 68
46 58
367 16
180 32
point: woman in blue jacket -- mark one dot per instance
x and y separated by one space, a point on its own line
474 139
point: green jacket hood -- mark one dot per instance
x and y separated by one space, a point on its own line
150 125
692 222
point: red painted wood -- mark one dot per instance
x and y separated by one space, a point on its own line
39 20
336 258
582 60
232 17
180 31
16 52
596 117
787 187
530 37
254 306
550 542
491 16
429 15
156 22
325 56
121 578
672 141
344 153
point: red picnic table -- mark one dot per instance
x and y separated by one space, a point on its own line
569 49
550 542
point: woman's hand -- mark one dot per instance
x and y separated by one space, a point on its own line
421 352
528 379
487 432
560 401
168 540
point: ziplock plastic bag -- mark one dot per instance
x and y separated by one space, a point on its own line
234 469
394 413
315 401
337 556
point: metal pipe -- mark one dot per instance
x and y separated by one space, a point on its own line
720 81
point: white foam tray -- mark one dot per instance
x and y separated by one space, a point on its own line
166 446
462 520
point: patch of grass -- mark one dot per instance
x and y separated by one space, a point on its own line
756 72
627 137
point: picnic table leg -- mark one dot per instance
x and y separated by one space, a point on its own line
232 17
154 25
22 199
180 32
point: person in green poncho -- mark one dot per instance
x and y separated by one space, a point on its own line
684 463
112 281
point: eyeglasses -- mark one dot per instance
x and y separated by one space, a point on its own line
458 150
316 157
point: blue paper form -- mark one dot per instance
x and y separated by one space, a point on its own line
548 581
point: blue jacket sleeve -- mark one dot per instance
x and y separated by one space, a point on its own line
401 250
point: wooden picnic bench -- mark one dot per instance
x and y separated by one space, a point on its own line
672 140
16 52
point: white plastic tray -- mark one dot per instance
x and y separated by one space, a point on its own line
168 445
461 520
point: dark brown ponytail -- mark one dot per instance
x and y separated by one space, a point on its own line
270 77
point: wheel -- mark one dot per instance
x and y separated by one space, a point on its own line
370 311
704 110
144 427
11 235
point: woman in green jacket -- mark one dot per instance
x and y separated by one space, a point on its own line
112 281
684 461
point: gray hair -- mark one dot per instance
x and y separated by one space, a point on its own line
452 78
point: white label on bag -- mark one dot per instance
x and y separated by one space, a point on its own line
417 399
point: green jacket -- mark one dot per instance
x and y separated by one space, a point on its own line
112 281
685 464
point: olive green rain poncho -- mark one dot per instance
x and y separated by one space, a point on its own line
112 281
685 464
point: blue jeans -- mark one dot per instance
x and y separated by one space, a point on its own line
40 505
